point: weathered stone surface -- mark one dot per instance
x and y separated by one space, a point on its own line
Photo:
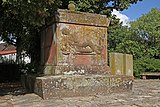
121 64
74 58
128 64
145 93
6 104
28 82
86 44
74 39
116 63
81 69
79 85
48 46
75 17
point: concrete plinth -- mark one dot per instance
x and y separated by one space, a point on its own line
76 85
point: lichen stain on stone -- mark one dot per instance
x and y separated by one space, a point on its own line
82 18
80 39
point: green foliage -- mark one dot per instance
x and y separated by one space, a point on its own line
137 67
100 6
28 68
22 20
147 29
146 64
152 65
147 33
131 47
141 39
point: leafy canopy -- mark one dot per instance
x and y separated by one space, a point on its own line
22 20
141 39
20 17
147 29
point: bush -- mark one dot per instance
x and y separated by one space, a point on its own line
146 65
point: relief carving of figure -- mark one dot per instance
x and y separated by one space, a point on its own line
75 44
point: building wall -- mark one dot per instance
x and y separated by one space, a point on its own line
11 58
8 58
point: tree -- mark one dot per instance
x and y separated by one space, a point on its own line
22 20
147 29
141 39
121 39
103 6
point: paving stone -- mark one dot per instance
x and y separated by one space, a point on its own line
6 104
125 99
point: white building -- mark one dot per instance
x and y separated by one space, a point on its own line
8 54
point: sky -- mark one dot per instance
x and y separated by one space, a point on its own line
136 10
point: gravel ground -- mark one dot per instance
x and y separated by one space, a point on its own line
145 93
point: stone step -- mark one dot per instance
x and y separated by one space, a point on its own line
77 85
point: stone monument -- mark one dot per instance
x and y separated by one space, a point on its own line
74 58
121 64
75 42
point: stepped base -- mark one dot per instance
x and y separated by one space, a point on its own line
76 85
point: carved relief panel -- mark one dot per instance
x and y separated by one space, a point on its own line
75 41
89 42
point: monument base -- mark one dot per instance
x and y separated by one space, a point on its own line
76 85
72 69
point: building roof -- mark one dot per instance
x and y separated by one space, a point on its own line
6 48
